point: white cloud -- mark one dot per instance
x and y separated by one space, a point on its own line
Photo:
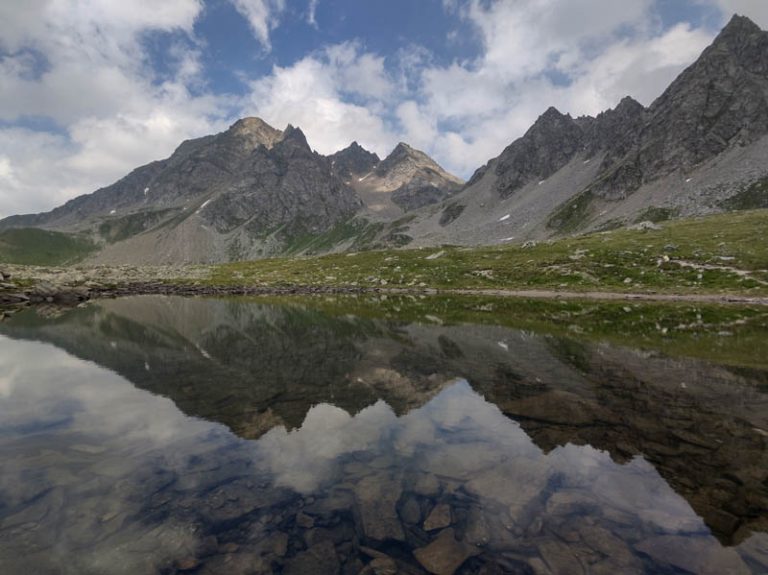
581 56
262 15
312 13
82 64
757 10
335 96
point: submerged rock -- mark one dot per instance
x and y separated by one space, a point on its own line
701 555
445 554
439 517
376 499
320 559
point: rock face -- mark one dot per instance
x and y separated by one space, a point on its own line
414 179
286 187
407 179
353 161
718 102
247 190
699 148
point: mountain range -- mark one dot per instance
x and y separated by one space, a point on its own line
254 191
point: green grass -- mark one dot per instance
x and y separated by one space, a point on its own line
33 246
621 261
118 229
573 214
655 214
753 197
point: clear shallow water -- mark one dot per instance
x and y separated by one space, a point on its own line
163 435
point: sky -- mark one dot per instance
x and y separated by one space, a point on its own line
91 89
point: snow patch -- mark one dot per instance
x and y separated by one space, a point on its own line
542 181
112 212
509 239
505 218
146 191
688 180
364 177
205 203
587 161
435 256
503 345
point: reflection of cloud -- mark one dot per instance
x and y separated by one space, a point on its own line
91 455
88 448
306 458
460 436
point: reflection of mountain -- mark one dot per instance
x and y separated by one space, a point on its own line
253 367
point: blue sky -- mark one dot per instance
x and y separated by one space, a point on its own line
93 88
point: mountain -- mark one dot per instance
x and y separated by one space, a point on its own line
353 161
254 191
249 192
405 180
700 148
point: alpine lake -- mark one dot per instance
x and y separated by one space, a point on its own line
382 435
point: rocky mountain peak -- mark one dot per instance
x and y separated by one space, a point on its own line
404 157
352 161
629 105
545 148
737 29
255 131
295 137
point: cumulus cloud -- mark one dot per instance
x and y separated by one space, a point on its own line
82 65
757 10
336 95
582 56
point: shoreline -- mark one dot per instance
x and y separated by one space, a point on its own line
72 295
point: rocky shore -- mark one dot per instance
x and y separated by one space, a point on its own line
23 285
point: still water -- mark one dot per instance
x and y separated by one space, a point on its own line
170 435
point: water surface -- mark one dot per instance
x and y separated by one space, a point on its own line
170 435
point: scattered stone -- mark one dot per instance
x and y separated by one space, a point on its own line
320 559
410 512
383 566
235 563
560 558
439 518
517 487
477 531
188 564
304 521
427 485
445 554
376 499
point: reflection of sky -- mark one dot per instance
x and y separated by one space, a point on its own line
84 454
460 436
